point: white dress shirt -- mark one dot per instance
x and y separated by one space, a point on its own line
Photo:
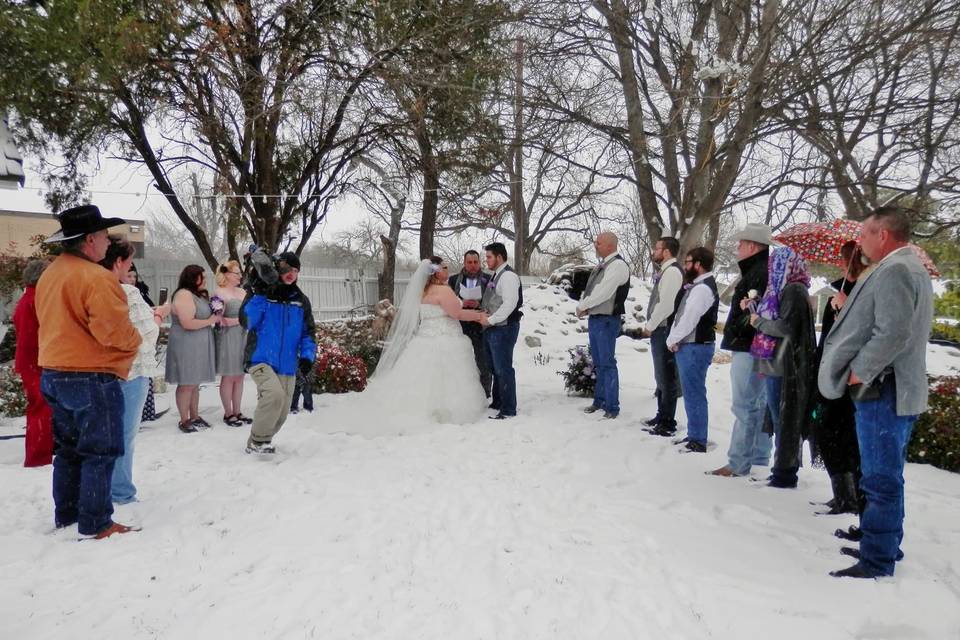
508 288
617 274
670 283
698 301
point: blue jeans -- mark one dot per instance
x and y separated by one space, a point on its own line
749 445
500 342
883 439
134 397
665 374
603 332
88 435
693 360
302 387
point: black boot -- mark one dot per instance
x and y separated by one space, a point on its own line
856 571
846 497
665 428
853 552
853 534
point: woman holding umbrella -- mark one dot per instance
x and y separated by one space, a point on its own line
835 430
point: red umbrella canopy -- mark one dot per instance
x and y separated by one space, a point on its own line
821 242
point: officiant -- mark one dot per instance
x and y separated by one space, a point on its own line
469 286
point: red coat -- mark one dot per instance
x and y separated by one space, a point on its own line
28 334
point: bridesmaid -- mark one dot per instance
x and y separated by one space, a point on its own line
231 341
190 349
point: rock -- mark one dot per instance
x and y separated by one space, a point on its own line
532 341
540 331
564 332
573 320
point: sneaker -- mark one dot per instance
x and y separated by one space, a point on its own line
695 447
609 415
260 447
591 409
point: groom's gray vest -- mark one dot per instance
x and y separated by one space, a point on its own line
492 301
615 305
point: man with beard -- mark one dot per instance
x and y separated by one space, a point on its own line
692 338
664 298
469 286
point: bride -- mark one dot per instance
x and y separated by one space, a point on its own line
427 372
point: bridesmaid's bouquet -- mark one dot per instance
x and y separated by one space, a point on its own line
217 305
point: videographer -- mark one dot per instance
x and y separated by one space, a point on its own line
280 341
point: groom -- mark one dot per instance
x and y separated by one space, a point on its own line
502 299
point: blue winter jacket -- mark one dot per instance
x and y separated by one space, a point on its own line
280 329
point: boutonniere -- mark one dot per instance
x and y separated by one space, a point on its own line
688 286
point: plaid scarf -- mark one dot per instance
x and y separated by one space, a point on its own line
785 266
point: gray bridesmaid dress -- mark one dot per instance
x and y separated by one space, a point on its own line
190 353
231 342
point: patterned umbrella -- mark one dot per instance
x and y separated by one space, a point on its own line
821 242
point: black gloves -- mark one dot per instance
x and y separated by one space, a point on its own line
305 366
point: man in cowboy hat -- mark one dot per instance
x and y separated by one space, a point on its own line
749 445
87 344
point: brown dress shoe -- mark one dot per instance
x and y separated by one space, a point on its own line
724 471
116 527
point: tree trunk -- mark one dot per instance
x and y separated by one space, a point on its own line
431 194
387 278
521 222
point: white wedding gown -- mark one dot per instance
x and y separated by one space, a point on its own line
434 381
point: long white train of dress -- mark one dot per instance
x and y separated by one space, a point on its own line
434 381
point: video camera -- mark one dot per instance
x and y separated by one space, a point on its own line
259 270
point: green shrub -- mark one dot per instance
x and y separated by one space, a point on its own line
944 331
948 305
936 435
13 400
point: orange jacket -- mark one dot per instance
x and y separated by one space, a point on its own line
84 320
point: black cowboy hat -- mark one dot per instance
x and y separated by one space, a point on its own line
79 221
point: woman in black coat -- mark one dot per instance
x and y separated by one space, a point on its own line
835 427
785 349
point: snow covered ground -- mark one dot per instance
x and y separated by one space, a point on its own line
552 525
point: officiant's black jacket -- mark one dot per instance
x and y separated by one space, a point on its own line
454 281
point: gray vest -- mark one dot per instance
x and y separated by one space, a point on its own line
655 297
492 301
615 304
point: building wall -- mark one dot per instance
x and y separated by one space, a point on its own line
17 228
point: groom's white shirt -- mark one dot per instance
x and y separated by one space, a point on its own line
508 288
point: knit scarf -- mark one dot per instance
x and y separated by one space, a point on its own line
785 266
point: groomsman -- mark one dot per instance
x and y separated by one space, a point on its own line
603 300
664 299
692 338
502 299
469 286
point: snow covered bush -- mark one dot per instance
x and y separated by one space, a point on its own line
13 400
337 371
357 337
936 434
580 377
942 332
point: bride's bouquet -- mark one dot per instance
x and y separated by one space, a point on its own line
580 378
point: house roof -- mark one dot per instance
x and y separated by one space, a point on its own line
11 162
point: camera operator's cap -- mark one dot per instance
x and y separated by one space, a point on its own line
79 221
755 232
290 259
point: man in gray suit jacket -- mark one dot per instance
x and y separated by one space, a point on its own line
878 348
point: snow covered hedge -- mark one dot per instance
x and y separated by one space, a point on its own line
13 400
936 435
